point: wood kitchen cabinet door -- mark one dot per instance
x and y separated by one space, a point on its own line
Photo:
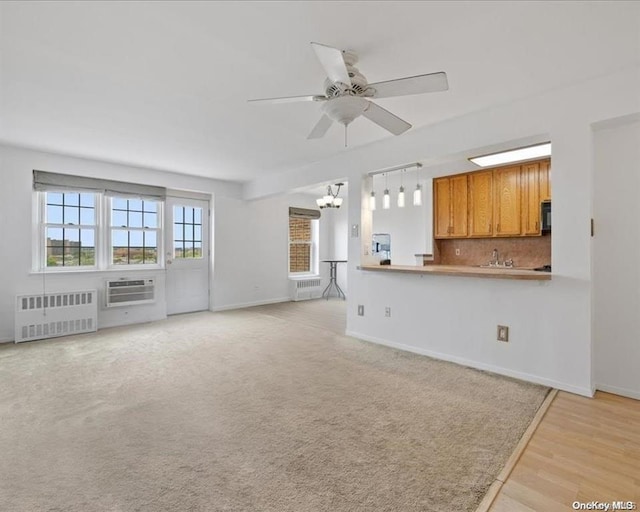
459 206
481 204
441 207
545 180
531 199
507 201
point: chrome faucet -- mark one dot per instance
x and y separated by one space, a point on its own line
494 258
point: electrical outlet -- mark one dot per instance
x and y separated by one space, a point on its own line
457 252
360 310
503 333
387 312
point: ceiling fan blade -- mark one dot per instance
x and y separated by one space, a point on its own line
333 63
289 99
321 127
433 82
385 119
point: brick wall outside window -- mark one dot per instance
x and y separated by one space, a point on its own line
299 245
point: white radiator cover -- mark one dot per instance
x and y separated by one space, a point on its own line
128 292
53 314
305 288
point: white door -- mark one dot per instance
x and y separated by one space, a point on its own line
187 255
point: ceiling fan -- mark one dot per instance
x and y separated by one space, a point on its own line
347 93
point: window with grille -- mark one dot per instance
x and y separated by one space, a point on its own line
134 231
85 223
70 229
302 245
187 232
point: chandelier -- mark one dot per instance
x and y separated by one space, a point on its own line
330 200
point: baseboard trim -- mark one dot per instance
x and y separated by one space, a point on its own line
629 393
243 305
584 391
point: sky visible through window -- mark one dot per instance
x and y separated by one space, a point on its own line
71 225
70 230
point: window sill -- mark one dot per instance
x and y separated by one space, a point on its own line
95 271
310 275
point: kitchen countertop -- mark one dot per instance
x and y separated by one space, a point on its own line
463 271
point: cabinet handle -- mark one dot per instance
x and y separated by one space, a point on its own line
536 225
498 227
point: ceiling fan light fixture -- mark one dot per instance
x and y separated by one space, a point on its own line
345 109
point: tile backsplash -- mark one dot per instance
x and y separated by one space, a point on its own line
527 252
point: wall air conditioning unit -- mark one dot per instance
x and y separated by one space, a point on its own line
130 292
305 288
53 314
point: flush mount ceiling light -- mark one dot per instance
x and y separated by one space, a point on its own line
513 155
330 200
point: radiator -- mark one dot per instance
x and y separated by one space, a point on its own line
128 292
40 316
305 289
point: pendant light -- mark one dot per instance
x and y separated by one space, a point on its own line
401 192
386 198
417 193
372 197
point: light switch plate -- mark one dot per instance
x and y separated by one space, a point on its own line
355 230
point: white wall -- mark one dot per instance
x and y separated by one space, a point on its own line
407 226
251 255
16 195
454 317
616 259
249 239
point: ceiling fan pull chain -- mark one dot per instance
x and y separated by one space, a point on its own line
345 135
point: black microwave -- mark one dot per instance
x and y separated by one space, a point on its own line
545 216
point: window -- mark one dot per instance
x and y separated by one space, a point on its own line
70 229
187 232
87 223
134 231
303 247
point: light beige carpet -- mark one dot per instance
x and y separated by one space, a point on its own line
246 411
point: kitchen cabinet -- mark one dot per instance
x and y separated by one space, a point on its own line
450 207
507 201
442 207
545 180
500 202
531 198
481 204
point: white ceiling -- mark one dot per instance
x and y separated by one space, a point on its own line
165 84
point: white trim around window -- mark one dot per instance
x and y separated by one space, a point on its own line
65 236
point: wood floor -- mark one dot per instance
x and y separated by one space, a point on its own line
583 450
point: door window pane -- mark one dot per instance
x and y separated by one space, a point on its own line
187 229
